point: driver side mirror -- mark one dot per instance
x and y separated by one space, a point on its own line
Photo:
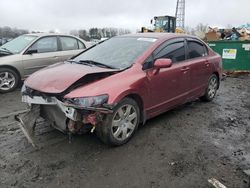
31 51
163 63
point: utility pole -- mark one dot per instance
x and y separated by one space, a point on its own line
180 14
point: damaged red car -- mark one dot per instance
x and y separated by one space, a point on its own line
118 84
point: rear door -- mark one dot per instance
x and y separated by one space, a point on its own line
46 52
169 86
70 46
200 67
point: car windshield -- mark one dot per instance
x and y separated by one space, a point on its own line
18 44
117 52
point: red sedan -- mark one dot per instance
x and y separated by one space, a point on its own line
114 86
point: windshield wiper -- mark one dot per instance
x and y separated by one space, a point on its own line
78 62
97 64
6 50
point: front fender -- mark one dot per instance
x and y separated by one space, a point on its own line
116 98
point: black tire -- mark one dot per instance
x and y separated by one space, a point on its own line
105 130
213 84
13 84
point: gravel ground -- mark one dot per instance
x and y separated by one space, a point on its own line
181 148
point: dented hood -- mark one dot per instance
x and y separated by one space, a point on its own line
59 77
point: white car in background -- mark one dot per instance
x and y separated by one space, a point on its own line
28 53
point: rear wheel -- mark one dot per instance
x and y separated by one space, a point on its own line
212 88
119 127
8 80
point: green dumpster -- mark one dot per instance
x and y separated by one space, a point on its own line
235 54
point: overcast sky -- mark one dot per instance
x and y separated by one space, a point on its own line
65 15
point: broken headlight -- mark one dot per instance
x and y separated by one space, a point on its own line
88 101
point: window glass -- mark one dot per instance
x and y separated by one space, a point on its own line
18 44
46 44
118 52
174 51
68 43
148 63
196 49
161 22
81 45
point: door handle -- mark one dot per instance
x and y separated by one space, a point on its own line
207 63
184 69
55 57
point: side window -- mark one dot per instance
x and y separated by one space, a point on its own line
148 63
69 43
46 44
81 45
196 49
174 51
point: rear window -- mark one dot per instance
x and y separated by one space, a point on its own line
196 49
69 43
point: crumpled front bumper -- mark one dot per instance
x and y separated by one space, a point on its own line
65 118
69 112
51 109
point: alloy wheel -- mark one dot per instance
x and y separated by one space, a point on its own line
124 122
7 81
212 87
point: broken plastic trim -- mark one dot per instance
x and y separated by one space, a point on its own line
69 112
27 122
68 109
105 109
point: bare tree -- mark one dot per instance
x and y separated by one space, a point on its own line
189 30
98 33
8 32
84 34
74 32
201 28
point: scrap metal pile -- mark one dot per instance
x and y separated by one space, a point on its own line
241 33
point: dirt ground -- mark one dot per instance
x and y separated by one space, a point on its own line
181 148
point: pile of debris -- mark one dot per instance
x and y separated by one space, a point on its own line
241 33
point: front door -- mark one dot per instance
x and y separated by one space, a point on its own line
169 86
45 52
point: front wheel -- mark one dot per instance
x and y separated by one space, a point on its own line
118 127
8 80
213 85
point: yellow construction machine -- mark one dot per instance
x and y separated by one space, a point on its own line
169 24
163 24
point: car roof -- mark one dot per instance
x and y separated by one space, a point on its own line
48 34
158 35
144 35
